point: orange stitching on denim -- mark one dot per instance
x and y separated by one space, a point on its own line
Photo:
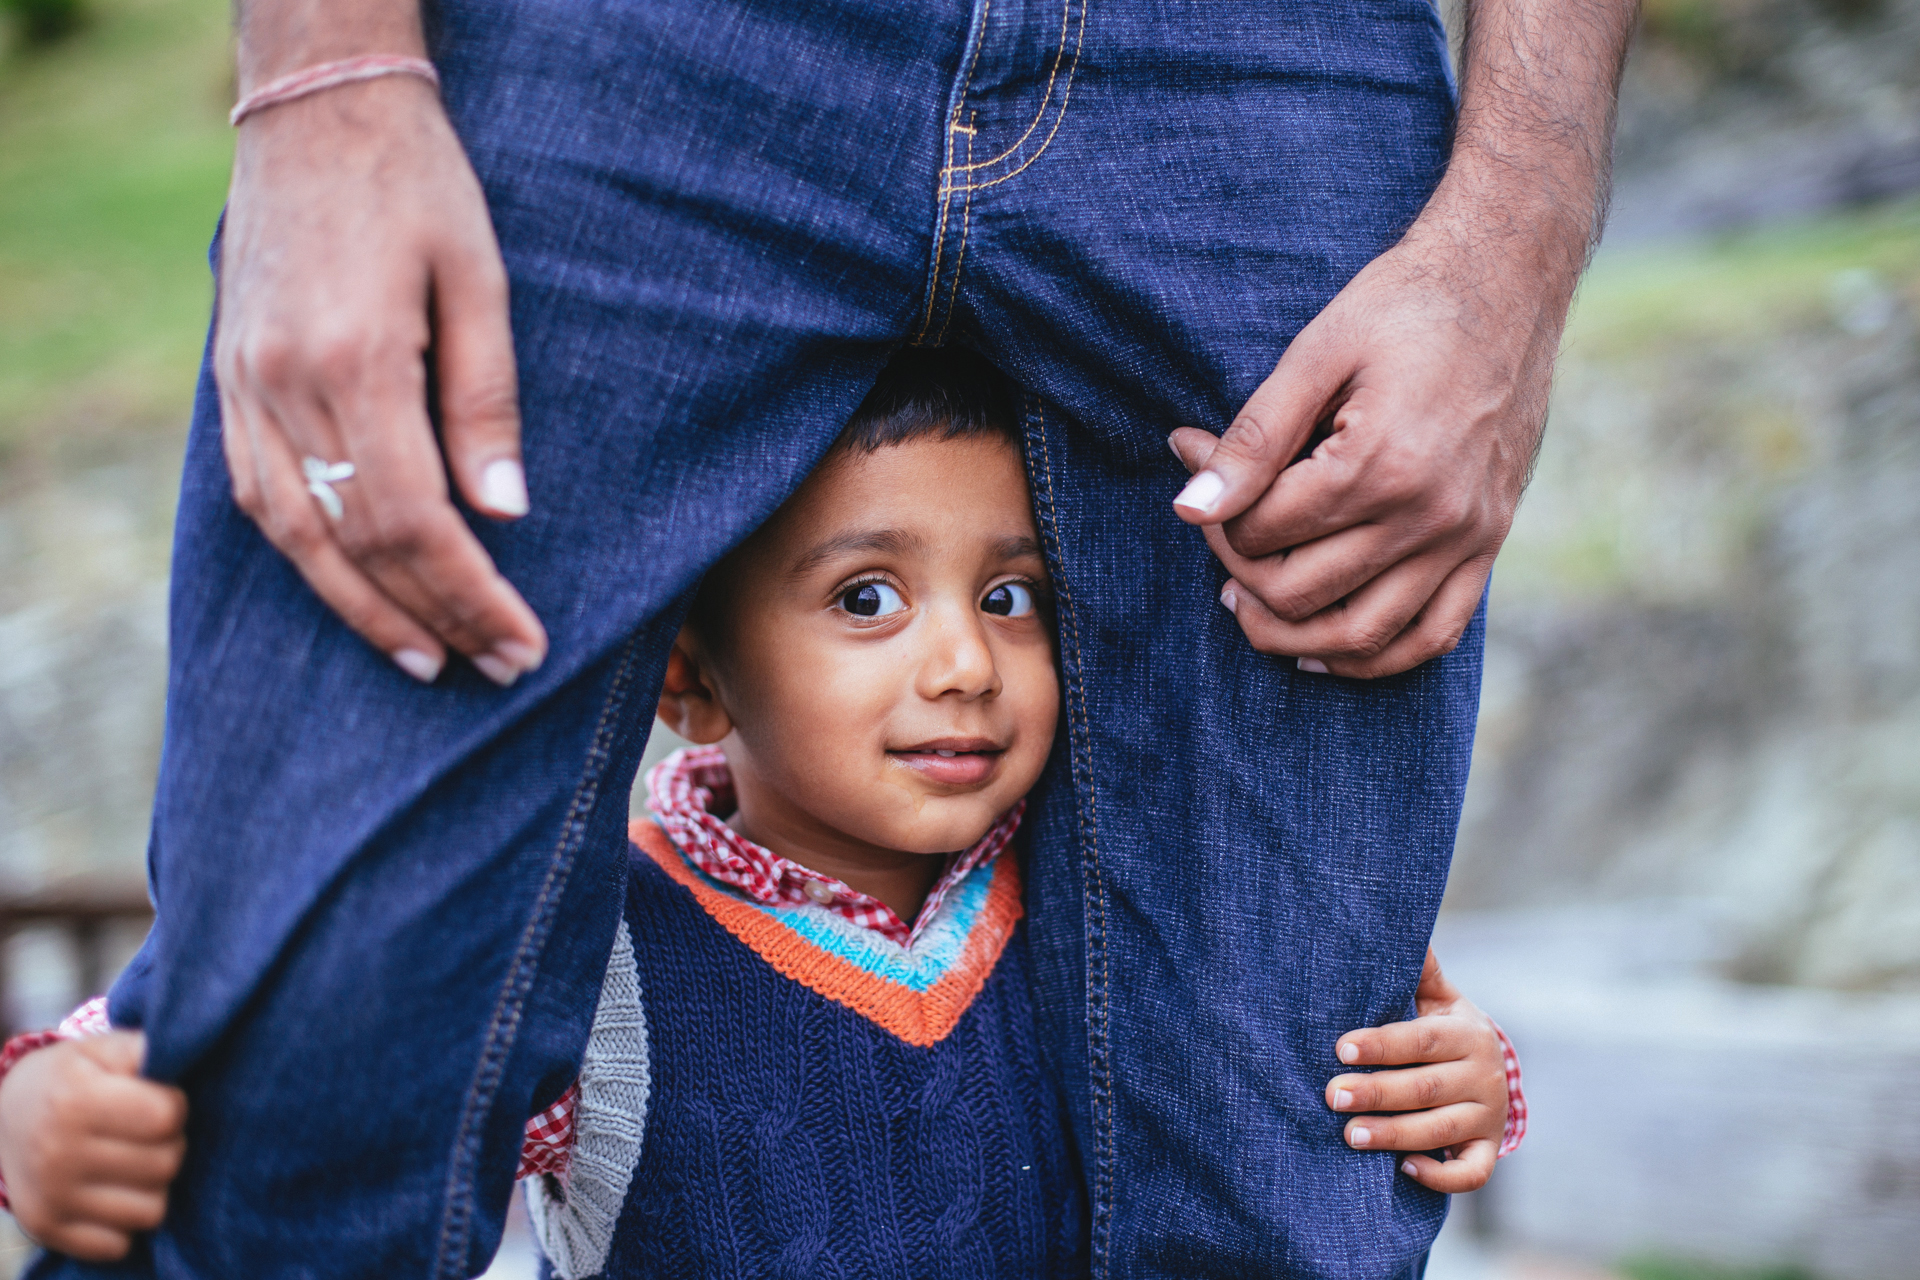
1059 55
1102 1100
960 259
939 246
986 15
946 184
1060 116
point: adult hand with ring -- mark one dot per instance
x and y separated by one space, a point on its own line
321 477
357 246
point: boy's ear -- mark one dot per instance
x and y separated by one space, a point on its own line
689 701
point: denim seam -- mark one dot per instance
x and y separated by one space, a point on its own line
979 37
1080 751
1059 56
960 258
503 1028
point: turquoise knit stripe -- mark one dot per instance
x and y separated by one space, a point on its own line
939 947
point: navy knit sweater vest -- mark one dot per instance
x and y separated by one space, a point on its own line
789 1134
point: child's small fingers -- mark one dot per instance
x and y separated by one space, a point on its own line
141 1166
1409 1088
1419 1130
118 1053
1468 1170
118 1208
1436 990
136 1110
1435 1039
87 1241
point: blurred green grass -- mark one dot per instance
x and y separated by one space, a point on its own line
1743 286
114 152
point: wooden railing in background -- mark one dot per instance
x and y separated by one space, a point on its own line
82 909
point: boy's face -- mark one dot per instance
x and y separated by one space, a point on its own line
886 680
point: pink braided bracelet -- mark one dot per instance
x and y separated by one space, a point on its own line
327 75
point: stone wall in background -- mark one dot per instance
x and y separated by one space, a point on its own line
1704 657
84 537
1703 673
1737 111
85 522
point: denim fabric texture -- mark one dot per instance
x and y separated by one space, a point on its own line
385 909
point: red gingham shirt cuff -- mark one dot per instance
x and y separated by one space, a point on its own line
1516 1100
549 1139
90 1019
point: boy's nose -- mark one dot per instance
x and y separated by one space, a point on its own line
957 661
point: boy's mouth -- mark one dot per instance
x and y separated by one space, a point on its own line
953 762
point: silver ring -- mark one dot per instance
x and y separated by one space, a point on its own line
321 477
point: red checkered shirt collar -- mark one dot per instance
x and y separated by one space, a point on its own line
690 789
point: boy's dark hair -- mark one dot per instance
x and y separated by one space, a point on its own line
948 392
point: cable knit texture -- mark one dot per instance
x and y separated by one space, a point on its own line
790 1133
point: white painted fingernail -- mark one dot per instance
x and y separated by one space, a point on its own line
422 666
1314 665
1359 1137
499 671
1349 1053
1410 1169
503 487
521 657
1342 1098
1230 600
1202 493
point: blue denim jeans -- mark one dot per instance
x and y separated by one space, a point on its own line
384 909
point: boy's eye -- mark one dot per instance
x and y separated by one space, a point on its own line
1009 600
871 600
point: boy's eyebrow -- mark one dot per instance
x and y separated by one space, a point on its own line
1017 548
885 541
896 542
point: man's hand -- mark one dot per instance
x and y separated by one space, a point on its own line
1456 1103
1422 387
88 1148
357 248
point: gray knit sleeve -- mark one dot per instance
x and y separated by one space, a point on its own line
574 1219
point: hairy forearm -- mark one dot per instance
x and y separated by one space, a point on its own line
282 36
1538 85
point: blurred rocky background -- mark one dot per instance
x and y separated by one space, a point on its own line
1688 879
1689 874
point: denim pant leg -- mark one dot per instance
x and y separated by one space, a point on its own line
1234 862
385 908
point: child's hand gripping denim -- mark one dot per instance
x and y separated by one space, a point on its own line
1453 1100
87 1147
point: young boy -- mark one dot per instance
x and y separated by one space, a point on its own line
814 1050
